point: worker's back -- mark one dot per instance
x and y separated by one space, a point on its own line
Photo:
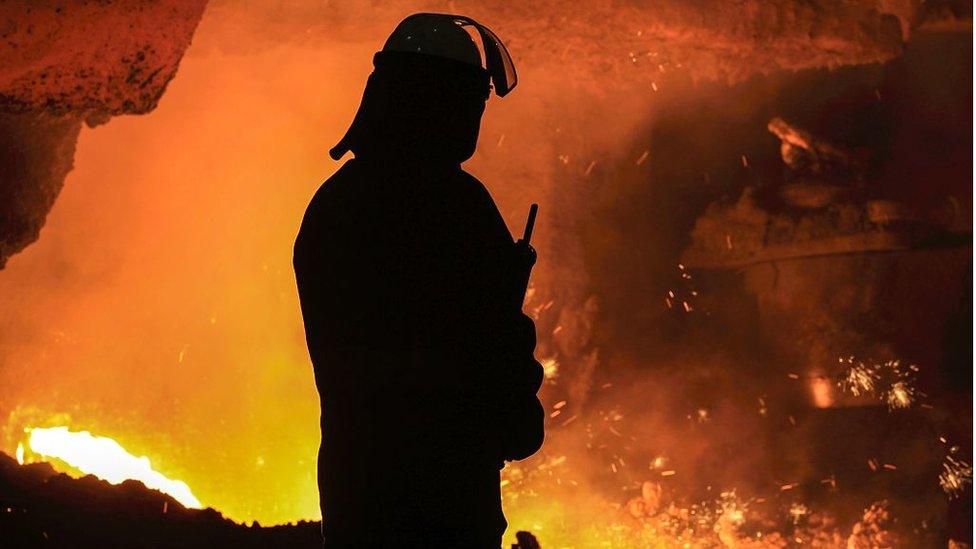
417 358
408 280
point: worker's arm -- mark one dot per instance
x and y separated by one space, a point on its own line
513 375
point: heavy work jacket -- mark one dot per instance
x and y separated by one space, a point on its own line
423 359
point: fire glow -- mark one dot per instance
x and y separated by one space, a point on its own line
106 459
143 262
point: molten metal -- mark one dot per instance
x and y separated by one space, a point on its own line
107 460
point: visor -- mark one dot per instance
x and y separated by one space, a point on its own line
498 62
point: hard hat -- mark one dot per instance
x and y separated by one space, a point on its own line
443 35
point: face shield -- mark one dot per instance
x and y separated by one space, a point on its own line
413 31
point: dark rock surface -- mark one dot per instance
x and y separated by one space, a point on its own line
36 153
96 57
62 63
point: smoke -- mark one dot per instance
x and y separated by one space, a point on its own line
159 307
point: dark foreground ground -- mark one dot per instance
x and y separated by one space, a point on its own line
40 507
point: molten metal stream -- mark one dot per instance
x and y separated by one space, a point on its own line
106 459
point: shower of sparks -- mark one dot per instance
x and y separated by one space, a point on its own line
107 460
891 382
685 295
860 380
732 510
956 475
901 395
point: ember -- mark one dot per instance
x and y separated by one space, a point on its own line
956 475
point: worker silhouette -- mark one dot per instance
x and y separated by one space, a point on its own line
408 280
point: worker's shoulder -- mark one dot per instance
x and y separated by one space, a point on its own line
357 181
481 209
471 181
328 198
332 192
341 179
473 187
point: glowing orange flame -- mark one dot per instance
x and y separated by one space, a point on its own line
106 459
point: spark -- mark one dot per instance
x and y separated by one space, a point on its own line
860 380
702 415
798 510
890 382
955 476
643 157
550 369
107 460
901 395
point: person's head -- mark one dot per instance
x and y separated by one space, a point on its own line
426 95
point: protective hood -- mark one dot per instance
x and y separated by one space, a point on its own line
445 35
426 95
